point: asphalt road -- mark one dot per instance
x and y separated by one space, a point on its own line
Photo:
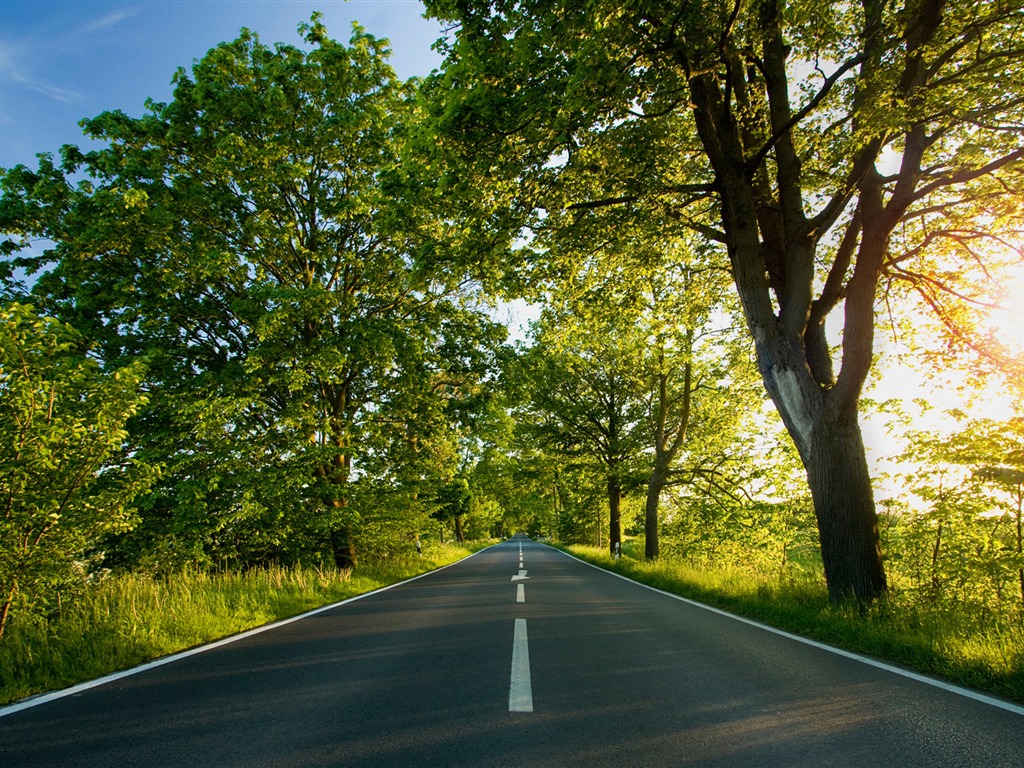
489 663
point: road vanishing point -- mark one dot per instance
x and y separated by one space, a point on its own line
519 655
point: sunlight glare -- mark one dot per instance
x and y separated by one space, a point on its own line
1006 323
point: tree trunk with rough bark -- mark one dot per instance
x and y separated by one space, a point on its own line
844 506
657 482
825 428
336 474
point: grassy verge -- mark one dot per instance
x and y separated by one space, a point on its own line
939 643
127 620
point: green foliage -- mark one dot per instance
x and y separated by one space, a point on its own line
454 501
535 490
959 547
269 242
585 393
297 246
637 373
66 477
827 150
762 536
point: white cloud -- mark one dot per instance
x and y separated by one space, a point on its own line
106 22
14 71
17 59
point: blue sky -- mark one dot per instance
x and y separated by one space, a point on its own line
64 60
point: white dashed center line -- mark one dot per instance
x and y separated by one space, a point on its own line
520 691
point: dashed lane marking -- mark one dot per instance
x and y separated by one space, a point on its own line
520 690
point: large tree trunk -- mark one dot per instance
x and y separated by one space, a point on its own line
772 248
825 428
655 485
844 506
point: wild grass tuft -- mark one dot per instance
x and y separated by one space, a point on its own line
902 629
126 620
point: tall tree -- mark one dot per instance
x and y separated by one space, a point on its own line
823 145
454 501
671 322
586 400
267 240
697 377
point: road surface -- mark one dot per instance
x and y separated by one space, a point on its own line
517 656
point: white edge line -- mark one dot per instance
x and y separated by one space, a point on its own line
44 698
935 683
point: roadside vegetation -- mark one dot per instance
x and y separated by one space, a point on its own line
122 621
258 326
946 641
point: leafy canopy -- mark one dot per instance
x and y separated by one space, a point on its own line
66 478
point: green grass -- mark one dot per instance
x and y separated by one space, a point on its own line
943 643
126 620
